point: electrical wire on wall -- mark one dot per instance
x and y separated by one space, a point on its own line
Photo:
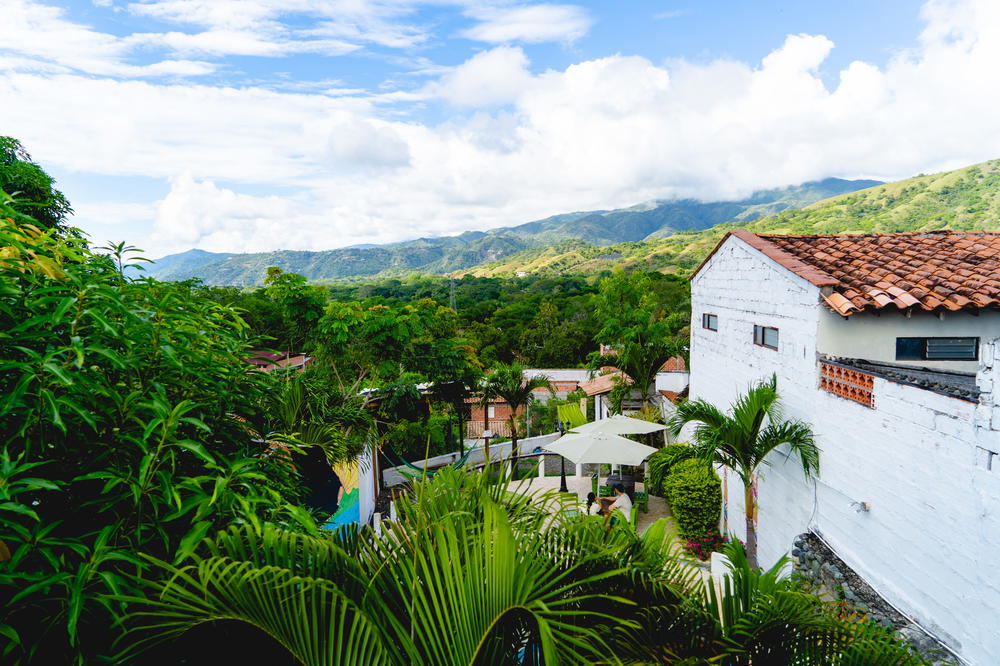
813 528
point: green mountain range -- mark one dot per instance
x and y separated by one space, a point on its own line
963 199
586 232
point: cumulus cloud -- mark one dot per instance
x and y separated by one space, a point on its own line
528 23
218 219
489 78
600 133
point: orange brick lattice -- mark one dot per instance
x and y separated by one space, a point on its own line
847 383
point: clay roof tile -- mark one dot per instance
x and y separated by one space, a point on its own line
931 270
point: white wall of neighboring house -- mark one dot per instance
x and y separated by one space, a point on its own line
872 336
560 374
366 487
919 458
673 381
724 363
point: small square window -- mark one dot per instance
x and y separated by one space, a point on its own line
765 336
710 321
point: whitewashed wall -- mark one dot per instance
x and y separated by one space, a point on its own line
934 521
366 487
931 539
673 381
744 288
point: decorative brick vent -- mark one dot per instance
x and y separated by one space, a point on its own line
847 383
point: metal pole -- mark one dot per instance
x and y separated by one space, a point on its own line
562 462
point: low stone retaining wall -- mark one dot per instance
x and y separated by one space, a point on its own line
832 579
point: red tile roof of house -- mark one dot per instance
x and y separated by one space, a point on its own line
602 383
934 271
675 364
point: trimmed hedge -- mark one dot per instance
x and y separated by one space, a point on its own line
694 492
661 462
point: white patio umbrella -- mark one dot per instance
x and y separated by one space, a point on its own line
600 447
620 425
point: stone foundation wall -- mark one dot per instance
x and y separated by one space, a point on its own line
833 580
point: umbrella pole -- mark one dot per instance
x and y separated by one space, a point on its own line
562 462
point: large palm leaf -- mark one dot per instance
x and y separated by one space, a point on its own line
471 587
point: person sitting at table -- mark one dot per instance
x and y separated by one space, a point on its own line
622 501
593 507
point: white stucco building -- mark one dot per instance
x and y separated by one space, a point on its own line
887 346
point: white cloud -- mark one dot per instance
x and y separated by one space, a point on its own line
298 25
217 219
40 34
601 133
497 76
528 23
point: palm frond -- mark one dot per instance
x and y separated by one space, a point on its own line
799 438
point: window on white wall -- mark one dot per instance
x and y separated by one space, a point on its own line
765 336
937 349
491 411
710 321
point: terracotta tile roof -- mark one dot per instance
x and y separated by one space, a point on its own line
675 364
602 383
937 270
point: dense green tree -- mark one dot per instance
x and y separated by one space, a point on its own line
34 189
644 321
509 383
743 439
128 421
301 303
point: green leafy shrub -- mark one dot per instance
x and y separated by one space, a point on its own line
128 421
694 492
661 462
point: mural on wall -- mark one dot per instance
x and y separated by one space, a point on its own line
348 507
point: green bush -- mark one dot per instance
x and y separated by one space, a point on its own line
661 462
694 493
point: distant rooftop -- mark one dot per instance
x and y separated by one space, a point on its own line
961 385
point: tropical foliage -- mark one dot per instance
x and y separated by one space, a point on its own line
694 492
645 323
25 181
127 426
743 440
476 574
508 382
660 463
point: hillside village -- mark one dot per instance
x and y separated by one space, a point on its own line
841 384
492 333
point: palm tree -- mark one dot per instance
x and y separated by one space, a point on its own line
758 617
508 382
473 573
470 574
742 440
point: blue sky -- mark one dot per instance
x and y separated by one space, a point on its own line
243 125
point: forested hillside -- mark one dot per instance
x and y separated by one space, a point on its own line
966 198
455 253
